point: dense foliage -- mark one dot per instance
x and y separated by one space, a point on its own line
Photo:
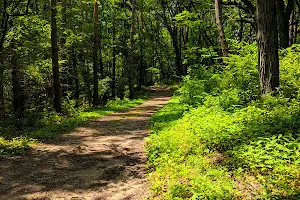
232 129
226 141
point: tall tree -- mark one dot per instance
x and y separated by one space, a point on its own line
65 74
1 85
132 61
113 85
267 37
55 66
3 28
284 13
142 46
95 54
17 84
222 39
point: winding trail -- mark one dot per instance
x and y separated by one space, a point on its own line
102 160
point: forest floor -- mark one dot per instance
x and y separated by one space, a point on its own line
103 159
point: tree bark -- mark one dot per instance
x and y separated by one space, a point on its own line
178 58
75 77
132 61
284 13
142 46
55 67
1 85
291 29
222 39
95 55
113 87
267 37
3 31
65 71
17 87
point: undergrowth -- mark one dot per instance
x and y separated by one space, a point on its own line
219 139
14 142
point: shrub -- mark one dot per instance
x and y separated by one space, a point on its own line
231 143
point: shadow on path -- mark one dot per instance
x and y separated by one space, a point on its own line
103 159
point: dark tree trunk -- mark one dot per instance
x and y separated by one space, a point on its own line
132 61
291 29
65 72
241 31
142 46
178 59
185 39
222 39
284 13
102 71
141 67
1 85
76 88
268 46
113 85
3 31
95 55
55 67
88 83
17 88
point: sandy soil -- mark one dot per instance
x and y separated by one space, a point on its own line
103 159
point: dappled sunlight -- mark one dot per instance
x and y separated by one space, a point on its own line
101 159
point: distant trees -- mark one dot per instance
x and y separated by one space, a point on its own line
168 12
9 11
285 15
110 49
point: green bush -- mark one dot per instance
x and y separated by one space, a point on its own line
229 142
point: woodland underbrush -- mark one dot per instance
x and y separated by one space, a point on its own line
218 138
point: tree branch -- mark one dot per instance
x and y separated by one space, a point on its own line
22 14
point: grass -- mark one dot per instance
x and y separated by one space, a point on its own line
14 142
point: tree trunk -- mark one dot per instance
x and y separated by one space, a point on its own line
222 40
95 55
291 29
101 65
284 13
268 46
113 87
87 81
17 88
65 71
3 31
241 31
76 83
132 62
1 85
55 67
142 46
283 24
185 39
178 59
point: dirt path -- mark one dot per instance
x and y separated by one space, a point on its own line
102 160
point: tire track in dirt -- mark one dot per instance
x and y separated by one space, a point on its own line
102 160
